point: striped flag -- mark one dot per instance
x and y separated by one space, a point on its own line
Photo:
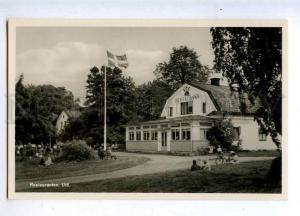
117 61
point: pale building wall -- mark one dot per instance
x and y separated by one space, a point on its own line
168 140
159 140
196 95
197 144
180 146
249 134
141 145
61 121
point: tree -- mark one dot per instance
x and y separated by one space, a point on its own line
120 107
37 108
22 118
252 59
182 67
151 98
72 130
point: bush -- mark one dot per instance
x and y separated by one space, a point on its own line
221 133
202 151
237 147
77 151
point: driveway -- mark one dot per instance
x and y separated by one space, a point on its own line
156 164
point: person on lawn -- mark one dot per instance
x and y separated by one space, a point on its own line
206 166
219 150
195 166
233 157
101 153
201 164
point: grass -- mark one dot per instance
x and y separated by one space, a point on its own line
29 170
258 153
247 177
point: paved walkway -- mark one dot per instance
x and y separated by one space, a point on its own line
156 164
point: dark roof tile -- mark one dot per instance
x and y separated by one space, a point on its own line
226 100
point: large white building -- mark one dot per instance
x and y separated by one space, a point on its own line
187 116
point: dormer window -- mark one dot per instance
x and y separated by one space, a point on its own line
204 107
171 111
187 108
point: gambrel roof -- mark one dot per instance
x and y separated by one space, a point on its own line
227 100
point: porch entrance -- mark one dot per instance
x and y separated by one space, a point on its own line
164 141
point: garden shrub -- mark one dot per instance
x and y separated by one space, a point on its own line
221 133
77 150
237 147
202 151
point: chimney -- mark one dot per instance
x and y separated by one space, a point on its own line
215 81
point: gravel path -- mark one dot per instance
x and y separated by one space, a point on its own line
156 164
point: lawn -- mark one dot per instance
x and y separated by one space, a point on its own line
246 153
29 170
259 153
247 177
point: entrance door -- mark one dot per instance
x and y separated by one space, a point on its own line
164 140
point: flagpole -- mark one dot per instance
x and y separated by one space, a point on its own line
104 107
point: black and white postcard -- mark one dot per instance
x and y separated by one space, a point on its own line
147 109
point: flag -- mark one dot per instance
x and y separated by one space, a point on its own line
117 61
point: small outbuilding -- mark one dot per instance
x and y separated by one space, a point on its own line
64 117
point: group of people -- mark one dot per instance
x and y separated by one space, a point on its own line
201 165
205 165
41 151
106 153
232 157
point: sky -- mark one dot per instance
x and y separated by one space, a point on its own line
63 56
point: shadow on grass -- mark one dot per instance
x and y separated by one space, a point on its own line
247 177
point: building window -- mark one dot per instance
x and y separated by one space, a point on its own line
175 134
146 135
186 134
236 133
170 111
204 133
131 135
204 107
138 135
187 108
153 135
261 135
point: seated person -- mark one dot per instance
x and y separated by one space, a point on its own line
42 162
233 157
201 164
108 151
195 166
219 150
48 162
206 165
101 153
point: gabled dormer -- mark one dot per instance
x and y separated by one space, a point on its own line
204 99
188 100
